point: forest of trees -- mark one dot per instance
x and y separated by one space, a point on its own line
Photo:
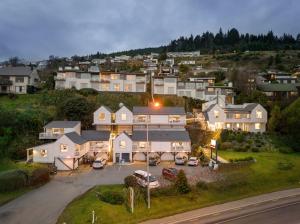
228 41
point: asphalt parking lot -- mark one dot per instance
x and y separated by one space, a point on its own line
44 204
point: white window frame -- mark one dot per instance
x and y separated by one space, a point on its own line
259 114
43 153
63 148
123 116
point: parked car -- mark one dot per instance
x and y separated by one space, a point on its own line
193 161
99 163
142 177
180 160
154 161
169 173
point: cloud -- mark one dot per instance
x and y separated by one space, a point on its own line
35 29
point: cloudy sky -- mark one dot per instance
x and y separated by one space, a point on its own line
35 29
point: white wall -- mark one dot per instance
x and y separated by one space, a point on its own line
129 116
107 113
118 149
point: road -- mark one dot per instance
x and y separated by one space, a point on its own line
274 212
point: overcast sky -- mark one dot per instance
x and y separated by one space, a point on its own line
35 29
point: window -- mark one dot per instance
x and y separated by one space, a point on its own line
142 144
216 113
122 144
257 126
128 87
43 152
258 114
228 126
102 116
63 148
123 117
238 125
115 76
116 87
105 87
237 116
19 79
57 130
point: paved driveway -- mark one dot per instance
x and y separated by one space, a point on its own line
44 205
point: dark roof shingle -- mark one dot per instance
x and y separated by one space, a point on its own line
91 135
61 124
76 138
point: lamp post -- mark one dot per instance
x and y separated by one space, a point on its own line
155 105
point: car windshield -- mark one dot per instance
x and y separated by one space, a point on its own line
173 170
179 158
192 159
152 178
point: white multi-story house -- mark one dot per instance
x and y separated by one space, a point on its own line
165 85
249 117
17 79
73 77
183 54
71 145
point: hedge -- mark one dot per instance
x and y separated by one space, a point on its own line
13 180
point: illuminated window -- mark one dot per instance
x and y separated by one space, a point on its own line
228 126
63 148
123 117
43 152
238 125
57 130
237 116
122 144
102 116
258 114
217 114
257 126
116 87
142 144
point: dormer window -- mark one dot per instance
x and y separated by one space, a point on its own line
102 116
123 117
258 114
122 144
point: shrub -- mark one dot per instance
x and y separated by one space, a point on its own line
13 180
12 96
87 91
255 149
248 158
112 197
39 176
285 149
285 165
226 145
130 181
202 185
181 183
164 191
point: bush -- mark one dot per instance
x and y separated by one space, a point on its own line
226 145
39 176
112 197
255 149
202 185
12 96
13 180
285 149
88 91
130 181
181 183
164 191
285 165
248 158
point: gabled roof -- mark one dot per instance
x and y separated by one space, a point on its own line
107 108
16 71
161 136
76 138
246 107
91 135
158 111
62 124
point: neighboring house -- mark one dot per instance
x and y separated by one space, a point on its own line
17 79
165 85
56 129
280 91
211 92
183 54
249 117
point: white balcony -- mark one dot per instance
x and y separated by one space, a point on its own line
49 135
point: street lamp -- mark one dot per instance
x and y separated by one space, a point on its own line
155 105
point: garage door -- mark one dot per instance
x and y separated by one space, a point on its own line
139 156
167 156
126 157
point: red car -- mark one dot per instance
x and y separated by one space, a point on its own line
169 173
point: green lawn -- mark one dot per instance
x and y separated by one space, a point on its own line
263 176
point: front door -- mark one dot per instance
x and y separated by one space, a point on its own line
126 157
117 157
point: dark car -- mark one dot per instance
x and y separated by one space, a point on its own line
154 161
169 173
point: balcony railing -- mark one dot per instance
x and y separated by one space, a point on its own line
103 148
45 135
